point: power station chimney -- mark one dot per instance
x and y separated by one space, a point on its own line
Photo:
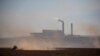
71 29
62 25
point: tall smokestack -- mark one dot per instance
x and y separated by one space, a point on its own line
71 29
62 25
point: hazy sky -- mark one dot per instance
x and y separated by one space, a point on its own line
22 17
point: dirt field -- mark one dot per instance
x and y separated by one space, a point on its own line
59 52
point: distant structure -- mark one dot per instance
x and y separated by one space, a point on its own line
62 25
49 33
71 29
68 40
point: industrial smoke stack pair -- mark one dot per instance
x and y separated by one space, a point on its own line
63 26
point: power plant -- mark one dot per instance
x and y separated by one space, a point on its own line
69 40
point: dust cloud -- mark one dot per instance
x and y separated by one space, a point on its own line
90 29
35 44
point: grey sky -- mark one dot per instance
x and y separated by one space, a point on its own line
21 17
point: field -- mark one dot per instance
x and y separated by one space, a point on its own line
58 52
